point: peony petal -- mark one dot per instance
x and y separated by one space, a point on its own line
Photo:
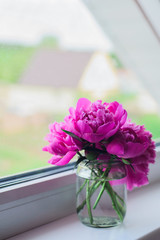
136 178
104 132
58 147
45 149
123 118
105 128
59 160
120 114
112 132
93 137
83 103
72 112
83 127
55 159
116 147
134 149
118 181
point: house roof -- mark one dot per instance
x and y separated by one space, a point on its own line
56 68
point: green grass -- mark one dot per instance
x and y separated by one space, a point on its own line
15 58
121 97
151 123
22 151
14 160
13 61
116 61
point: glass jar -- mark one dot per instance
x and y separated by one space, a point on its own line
101 194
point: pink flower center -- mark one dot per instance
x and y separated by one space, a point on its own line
97 116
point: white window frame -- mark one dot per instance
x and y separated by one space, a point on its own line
28 205
31 204
37 202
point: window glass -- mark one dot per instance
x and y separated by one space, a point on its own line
51 54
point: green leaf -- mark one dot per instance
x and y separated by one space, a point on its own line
88 199
79 160
91 155
99 195
132 167
73 135
125 161
128 163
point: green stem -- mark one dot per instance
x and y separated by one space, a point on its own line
116 205
122 206
93 188
81 187
119 209
99 195
88 202
113 195
119 198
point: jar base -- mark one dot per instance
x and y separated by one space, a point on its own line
101 222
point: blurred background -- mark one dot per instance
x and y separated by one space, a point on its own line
52 52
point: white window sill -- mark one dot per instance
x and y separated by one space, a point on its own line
141 222
43 201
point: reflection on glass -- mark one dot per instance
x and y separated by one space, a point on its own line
51 54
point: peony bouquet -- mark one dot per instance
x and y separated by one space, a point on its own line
102 135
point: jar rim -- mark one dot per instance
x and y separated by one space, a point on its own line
115 167
101 162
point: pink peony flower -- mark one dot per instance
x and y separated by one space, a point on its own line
138 177
61 145
95 122
102 131
120 114
132 142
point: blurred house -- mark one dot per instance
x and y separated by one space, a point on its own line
56 69
99 76
85 70
51 82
